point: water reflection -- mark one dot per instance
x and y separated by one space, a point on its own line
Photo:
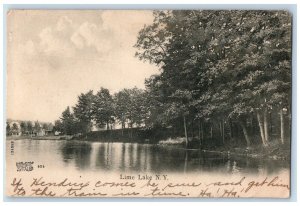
79 152
127 157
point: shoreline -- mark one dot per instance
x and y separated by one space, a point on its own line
52 137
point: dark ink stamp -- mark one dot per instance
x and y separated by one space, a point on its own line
24 166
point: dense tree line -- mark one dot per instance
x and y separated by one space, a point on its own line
224 74
220 66
125 108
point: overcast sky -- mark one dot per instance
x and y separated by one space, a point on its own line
53 56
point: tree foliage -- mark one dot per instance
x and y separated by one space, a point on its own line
218 64
67 122
83 111
103 109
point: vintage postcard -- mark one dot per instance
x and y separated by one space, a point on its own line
142 103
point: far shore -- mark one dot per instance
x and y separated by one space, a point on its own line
50 137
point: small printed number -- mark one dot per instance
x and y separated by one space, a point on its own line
12 148
41 166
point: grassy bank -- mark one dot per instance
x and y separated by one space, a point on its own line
275 150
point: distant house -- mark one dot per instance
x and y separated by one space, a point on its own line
41 132
49 132
28 128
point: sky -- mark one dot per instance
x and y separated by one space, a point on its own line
53 56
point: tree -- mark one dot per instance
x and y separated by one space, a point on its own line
180 57
15 128
131 107
68 122
230 62
103 110
121 106
58 126
179 108
23 126
37 126
83 111
30 127
154 102
8 129
45 126
265 68
136 109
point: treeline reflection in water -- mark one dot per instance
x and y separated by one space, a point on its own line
129 157
63 156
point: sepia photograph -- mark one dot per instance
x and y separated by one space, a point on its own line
148 103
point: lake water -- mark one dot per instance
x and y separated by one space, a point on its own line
61 155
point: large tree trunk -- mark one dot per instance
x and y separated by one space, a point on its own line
185 131
131 125
223 131
131 130
282 127
266 126
246 135
123 126
271 125
202 132
192 130
199 133
251 125
261 128
220 127
230 129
